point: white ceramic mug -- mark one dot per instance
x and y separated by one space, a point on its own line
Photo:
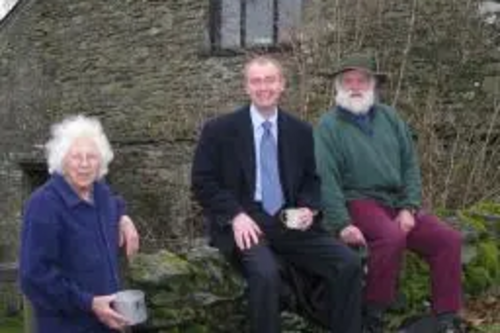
290 218
131 304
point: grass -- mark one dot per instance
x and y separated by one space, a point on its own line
11 325
495 328
15 325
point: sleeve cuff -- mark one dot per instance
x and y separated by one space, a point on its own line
85 301
336 228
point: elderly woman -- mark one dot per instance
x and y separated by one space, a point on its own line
72 228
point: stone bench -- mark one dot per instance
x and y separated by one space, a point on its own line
201 290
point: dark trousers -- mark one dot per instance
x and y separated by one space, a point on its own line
437 243
313 251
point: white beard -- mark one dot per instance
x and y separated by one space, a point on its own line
355 104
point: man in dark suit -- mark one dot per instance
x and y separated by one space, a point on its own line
248 166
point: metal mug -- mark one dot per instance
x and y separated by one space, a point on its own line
131 304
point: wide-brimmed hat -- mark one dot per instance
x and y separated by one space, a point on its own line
363 62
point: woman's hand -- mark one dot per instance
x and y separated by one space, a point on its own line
129 237
101 306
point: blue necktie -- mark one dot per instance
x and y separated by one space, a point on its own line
272 194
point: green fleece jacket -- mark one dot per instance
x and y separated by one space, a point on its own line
376 162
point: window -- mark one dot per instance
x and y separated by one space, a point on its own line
238 24
5 7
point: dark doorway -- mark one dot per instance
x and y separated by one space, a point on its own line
34 175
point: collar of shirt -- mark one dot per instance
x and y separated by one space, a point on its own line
258 120
362 121
67 193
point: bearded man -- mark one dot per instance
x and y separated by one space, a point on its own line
371 194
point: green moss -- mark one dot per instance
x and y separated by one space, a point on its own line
196 328
488 257
472 220
487 207
483 271
477 279
163 268
11 325
414 284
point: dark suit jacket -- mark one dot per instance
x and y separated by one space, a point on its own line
223 172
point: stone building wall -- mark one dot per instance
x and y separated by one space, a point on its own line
140 66
144 69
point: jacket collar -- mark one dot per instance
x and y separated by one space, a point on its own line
353 117
67 193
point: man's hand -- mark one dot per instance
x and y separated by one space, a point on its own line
305 217
352 235
129 237
101 306
406 220
246 231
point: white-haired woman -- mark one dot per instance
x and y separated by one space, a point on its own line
72 229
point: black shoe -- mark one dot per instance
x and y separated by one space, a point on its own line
452 325
373 323
373 328
373 318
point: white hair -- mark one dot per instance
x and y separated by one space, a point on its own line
66 132
357 105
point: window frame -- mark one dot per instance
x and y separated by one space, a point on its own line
215 13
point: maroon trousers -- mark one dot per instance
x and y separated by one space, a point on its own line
435 242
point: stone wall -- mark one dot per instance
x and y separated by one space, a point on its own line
141 66
197 291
